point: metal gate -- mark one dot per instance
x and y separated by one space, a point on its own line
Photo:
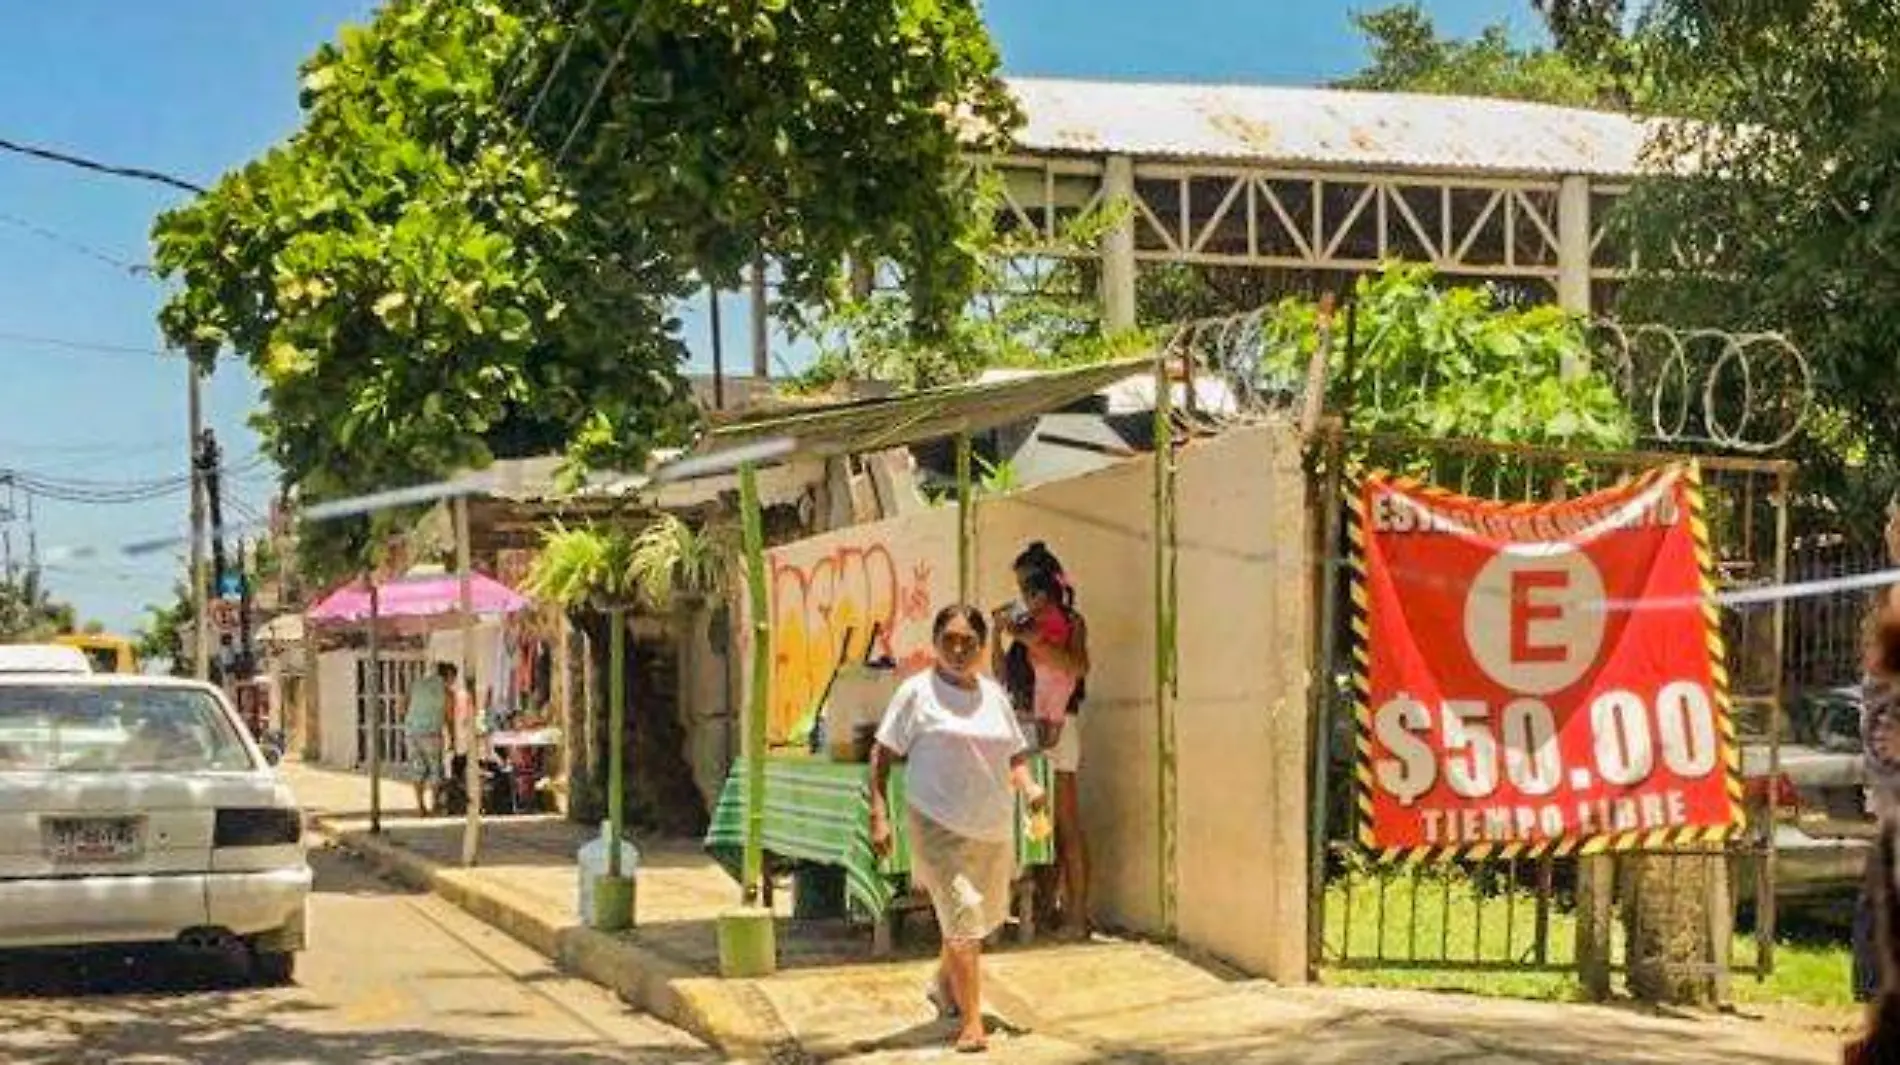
1531 915
397 672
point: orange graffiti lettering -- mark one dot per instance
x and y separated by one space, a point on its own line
820 605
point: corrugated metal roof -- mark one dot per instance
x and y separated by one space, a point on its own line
1325 127
915 417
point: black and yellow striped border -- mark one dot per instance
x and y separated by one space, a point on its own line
1718 659
1692 839
1358 619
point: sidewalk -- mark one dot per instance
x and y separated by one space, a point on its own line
1105 1001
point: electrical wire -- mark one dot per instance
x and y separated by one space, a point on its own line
86 491
75 246
93 447
600 86
560 61
83 345
136 173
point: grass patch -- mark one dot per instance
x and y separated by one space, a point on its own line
1392 926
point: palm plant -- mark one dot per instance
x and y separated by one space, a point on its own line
605 566
608 568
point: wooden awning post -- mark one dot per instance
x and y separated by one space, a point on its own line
748 944
1164 617
752 523
966 522
375 672
472 827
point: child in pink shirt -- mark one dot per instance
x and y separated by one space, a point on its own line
1051 628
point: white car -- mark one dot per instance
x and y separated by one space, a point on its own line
138 810
42 658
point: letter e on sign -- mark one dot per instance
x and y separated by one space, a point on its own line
1526 609
1530 617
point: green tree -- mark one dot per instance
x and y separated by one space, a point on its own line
1408 55
1434 362
475 245
1777 210
28 611
160 633
1033 307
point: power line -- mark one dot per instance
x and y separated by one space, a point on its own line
91 447
108 493
133 172
560 61
83 345
75 246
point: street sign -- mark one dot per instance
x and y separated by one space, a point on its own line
223 615
230 586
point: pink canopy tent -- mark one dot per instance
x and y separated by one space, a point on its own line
417 599
416 603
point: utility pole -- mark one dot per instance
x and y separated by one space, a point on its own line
6 528
210 459
32 536
200 605
246 657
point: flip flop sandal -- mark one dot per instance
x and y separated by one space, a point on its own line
979 1045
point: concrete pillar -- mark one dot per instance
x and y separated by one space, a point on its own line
761 323
1118 245
1573 251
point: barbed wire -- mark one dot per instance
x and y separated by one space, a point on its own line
1747 392
1235 347
1754 390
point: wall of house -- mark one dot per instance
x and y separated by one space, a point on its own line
336 692
869 589
1239 863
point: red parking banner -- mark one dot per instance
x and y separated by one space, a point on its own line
1539 677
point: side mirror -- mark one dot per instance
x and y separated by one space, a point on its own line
272 755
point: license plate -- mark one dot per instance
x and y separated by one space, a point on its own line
93 839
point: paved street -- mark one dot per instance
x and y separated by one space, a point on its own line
391 977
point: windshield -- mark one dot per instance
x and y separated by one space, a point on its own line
117 729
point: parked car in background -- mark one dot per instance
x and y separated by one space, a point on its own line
1822 827
138 810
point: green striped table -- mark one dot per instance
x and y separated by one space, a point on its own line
817 810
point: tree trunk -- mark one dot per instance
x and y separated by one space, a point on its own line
1670 926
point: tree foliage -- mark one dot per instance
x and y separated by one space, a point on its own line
1408 55
475 245
28 611
1451 363
1035 306
160 634
1777 211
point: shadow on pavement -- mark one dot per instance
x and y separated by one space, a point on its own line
194 1029
1581 1036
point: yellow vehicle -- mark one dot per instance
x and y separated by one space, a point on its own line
108 654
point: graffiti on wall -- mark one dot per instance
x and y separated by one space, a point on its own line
853 601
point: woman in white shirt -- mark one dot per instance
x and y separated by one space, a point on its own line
967 759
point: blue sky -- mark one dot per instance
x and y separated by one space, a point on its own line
196 87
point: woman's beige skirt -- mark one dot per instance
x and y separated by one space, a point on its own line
968 880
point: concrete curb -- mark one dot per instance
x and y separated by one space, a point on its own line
734 1016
